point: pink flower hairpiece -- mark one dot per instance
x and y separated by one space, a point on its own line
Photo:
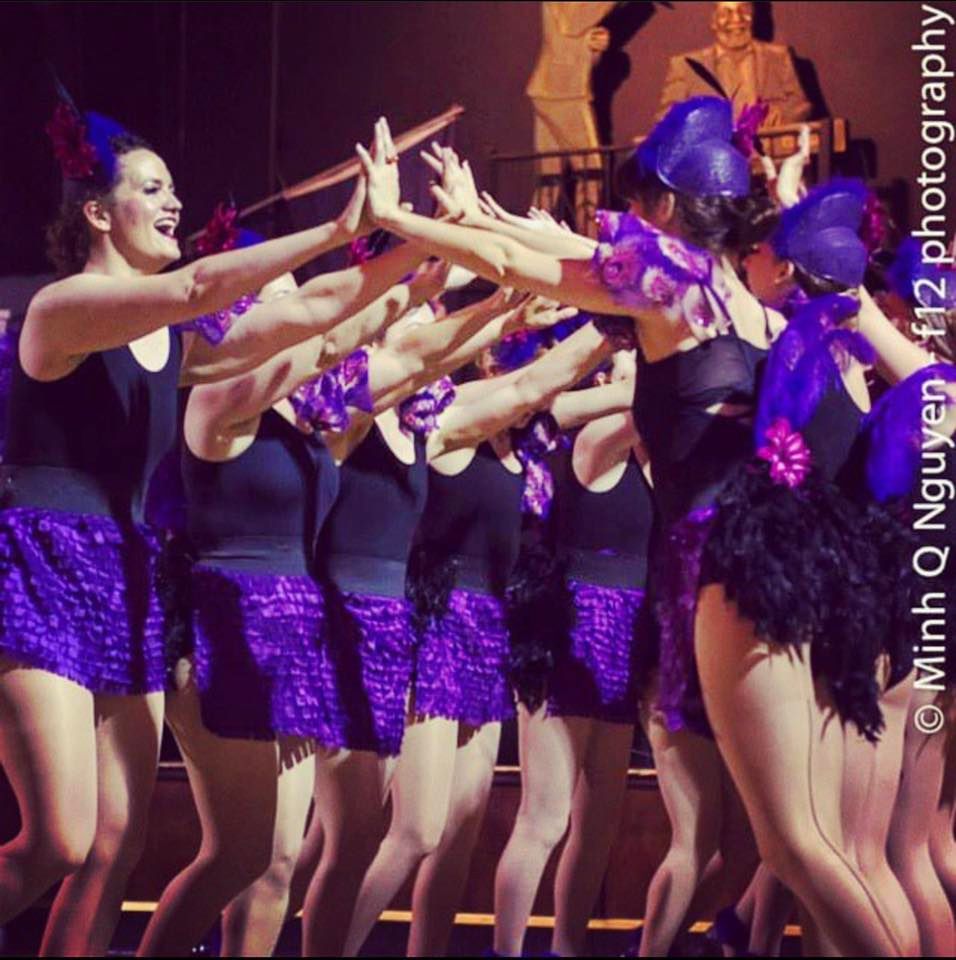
787 453
221 233
76 156
752 118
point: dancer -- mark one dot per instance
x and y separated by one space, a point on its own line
260 683
92 408
574 747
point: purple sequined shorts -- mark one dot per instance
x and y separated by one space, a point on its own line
371 649
598 677
78 599
258 647
677 584
462 662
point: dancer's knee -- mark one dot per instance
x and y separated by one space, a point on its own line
56 853
792 858
417 839
543 828
119 842
238 863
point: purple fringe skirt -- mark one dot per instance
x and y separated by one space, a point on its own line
276 655
78 598
462 662
371 650
675 589
259 655
598 677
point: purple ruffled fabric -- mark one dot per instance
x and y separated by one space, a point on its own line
371 649
676 587
258 654
644 268
78 598
598 677
537 440
807 361
213 327
419 413
894 430
324 401
462 661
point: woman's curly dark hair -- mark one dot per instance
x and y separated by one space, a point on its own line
718 224
68 236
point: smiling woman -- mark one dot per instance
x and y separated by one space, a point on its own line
92 409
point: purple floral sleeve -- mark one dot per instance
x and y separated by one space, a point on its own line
324 401
533 444
213 327
419 413
644 268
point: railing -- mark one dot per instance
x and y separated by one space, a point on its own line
587 177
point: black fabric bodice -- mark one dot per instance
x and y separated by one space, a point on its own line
263 510
90 441
474 518
693 452
366 539
605 536
833 435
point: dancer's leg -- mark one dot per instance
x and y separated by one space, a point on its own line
764 710
773 907
550 750
48 751
305 865
252 922
908 847
87 907
444 872
235 787
421 794
348 801
688 776
942 846
595 822
873 826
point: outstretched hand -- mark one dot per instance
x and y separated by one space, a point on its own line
539 313
457 194
380 169
789 180
354 220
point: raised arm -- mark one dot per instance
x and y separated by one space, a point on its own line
315 308
897 356
429 351
498 258
465 424
89 312
581 406
485 213
225 414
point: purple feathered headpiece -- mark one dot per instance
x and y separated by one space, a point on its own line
691 150
923 284
82 142
821 233
894 429
518 349
806 361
